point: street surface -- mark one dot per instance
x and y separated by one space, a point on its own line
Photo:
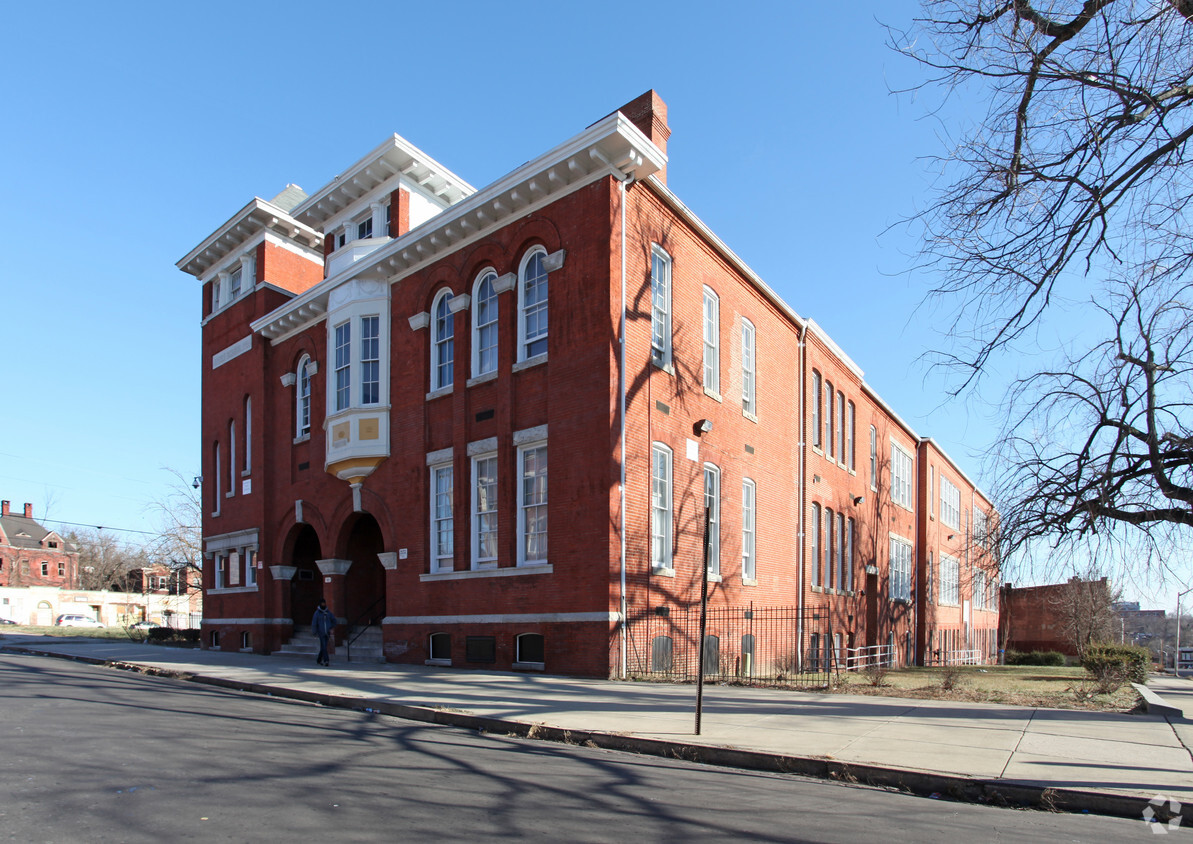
92 754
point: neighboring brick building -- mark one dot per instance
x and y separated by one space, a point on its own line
34 555
1059 616
381 394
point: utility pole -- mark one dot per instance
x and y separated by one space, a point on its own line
703 624
1176 659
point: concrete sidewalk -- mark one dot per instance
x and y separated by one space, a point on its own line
1075 760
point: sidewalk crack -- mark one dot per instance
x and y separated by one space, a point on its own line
1003 773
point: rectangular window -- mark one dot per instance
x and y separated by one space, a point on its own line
873 458
849 437
250 567
901 468
343 372
62 569
849 555
234 284
981 528
221 570
532 506
828 418
979 590
442 523
484 511
931 482
712 502
370 360
215 295
660 306
660 507
364 228
814 537
815 409
950 581
900 574
45 569
712 342
839 552
950 503
840 429
748 491
748 363
826 572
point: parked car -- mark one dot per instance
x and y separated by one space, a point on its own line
144 625
77 621
7 621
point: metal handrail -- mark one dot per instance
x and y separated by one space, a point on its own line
367 613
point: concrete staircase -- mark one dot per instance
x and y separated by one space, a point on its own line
304 643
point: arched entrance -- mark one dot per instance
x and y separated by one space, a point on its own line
364 584
306 587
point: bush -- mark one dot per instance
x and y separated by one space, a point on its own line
191 635
159 634
951 676
1113 665
1041 658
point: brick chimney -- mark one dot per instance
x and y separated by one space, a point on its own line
28 511
649 113
3 508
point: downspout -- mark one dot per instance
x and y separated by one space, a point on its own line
621 413
801 499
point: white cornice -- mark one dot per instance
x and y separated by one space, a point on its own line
394 157
612 145
247 223
819 331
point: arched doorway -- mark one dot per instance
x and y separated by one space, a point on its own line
364 583
306 587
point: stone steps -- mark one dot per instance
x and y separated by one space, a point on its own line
368 648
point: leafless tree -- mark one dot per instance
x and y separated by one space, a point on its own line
1085 612
104 561
1073 185
179 540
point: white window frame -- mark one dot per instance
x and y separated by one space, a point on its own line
250 566
486 326
712 341
950 503
981 527
217 488
231 459
248 436
443 341
341 381
873 458
370 360
814 536
660 306
817 442
712 500
902 473
899 570
541 305
830 442
528 502
303 398
839 430
441 521
850 432
488 562
749 527
749 368
849 558
839 552
662 484
950 581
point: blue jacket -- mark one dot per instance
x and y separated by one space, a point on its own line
323 622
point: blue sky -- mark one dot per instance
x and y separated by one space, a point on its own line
136 129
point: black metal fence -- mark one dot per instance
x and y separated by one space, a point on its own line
743 644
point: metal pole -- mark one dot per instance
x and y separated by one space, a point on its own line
1176 659
703 625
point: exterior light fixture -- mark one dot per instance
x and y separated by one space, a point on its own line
702 427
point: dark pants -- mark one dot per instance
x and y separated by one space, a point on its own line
323 649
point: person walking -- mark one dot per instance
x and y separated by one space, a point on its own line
322 625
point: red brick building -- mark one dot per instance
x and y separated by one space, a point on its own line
34 555
394 365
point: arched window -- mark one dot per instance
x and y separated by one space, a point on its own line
660 507
815 409
712 502
484 324
747 655
532 305
814 541
829 440
443 344
439 647
661 649
712 654
231 458
712 341
217 488
248 435
303 410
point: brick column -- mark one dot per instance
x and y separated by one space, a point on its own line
335 589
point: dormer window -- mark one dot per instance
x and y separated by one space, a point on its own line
364 228
234 284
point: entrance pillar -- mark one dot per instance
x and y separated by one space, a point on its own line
281 577
334 588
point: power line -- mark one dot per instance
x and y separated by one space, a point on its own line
101 527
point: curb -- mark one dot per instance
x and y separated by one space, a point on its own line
921 783
1156 705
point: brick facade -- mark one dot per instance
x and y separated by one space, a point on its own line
346 510
33 555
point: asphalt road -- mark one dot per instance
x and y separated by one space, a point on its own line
90 754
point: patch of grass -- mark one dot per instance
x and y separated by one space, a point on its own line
1061 687
71 632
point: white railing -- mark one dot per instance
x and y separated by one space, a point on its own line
875 656
973 657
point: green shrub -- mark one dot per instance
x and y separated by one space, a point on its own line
1042 658
159 634
191 634
1113 665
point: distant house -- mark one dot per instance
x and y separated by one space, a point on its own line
34 555
1058 616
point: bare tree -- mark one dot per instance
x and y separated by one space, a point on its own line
1073 185
104 561
179 540
1085 613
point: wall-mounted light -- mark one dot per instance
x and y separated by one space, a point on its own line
197 482
951 535
703 426
858 499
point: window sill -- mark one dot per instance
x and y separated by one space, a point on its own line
749 581
244 473
666 366
529 362
662 571
507 571
442 391
231 590
302 439
713 394
529 666
230 494
816 588
437 662
752 417
714 577
481 379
